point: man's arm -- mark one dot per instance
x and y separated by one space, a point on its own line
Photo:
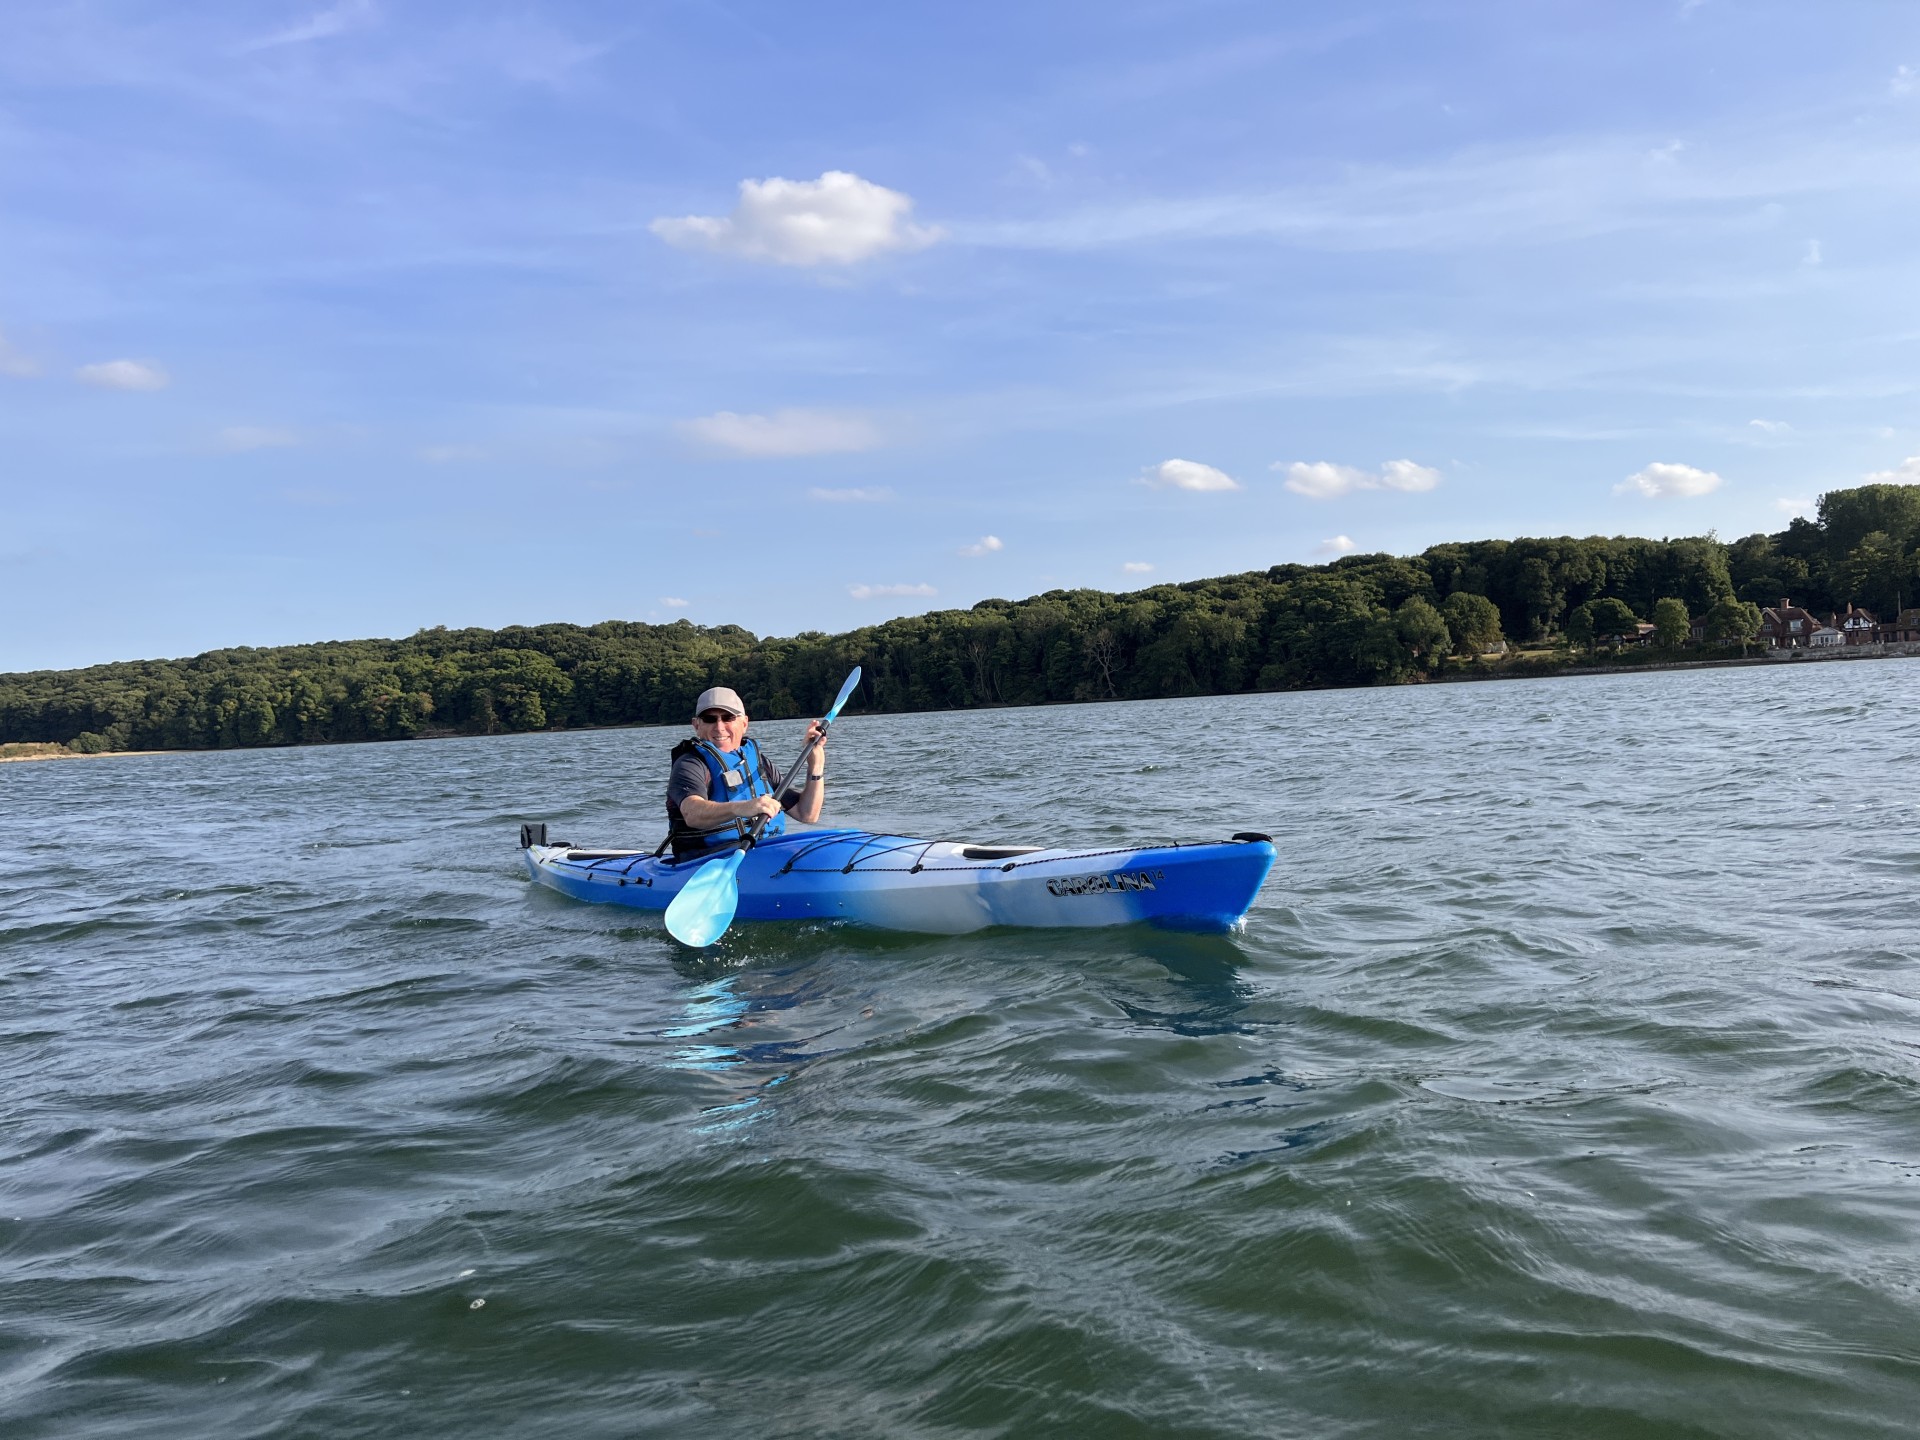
814 796
704 814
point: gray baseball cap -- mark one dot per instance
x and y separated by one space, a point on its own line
720 698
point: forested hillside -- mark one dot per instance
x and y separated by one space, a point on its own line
1362 620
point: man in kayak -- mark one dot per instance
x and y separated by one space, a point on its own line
721 782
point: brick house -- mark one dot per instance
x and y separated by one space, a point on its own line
1906 628
1787 627
1858 626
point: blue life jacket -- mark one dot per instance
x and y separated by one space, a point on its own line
731 775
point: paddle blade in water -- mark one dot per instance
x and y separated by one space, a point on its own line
702 911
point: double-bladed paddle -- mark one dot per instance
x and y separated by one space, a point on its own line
702 911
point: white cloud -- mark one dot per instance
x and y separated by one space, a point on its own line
674 602
851 495
1812 257
1771 427
1338 545
986 545
1791 507
1188 475
1137 567
451 454
1324 480
838 219
322 25
124 375
785 432
1661 481
14 363
876 592
1907 472
236 438
1905 79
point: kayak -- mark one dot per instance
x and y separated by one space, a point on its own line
933 887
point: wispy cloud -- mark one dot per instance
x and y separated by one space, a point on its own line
1812 257
1905 80
674 602
784 433
15 363
1793 506
1664 481
1324 480
1771 427
124 375
1137 567
1187 475
1338 545
237 438
985 545
851 495
1491 196
881 592
838 219
451 454
322 25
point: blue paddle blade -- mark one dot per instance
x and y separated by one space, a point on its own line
853 682
702 911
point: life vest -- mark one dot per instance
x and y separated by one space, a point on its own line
739 775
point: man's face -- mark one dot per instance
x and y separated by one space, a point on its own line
720 728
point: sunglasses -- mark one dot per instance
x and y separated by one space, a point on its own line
714 717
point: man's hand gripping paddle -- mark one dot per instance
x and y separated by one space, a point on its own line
702 911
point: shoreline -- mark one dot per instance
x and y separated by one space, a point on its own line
60 752
52 751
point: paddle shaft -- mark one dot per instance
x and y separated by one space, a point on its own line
794 771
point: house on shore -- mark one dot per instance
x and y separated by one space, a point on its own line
1903 630
1858 626
1788 627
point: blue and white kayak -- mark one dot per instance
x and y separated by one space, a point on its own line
934 887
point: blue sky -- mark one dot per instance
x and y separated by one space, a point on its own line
326 321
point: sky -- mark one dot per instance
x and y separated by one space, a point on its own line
341 320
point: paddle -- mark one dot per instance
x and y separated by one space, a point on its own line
702 911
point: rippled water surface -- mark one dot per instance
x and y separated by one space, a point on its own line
1565 1080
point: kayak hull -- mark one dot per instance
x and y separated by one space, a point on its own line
938 887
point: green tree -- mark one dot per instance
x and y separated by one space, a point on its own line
1876 573
1612 618
1473 622
1734 620
1580 627
1671 622
1421 629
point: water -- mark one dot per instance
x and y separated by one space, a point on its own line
1563 1081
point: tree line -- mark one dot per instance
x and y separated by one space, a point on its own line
1361 620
